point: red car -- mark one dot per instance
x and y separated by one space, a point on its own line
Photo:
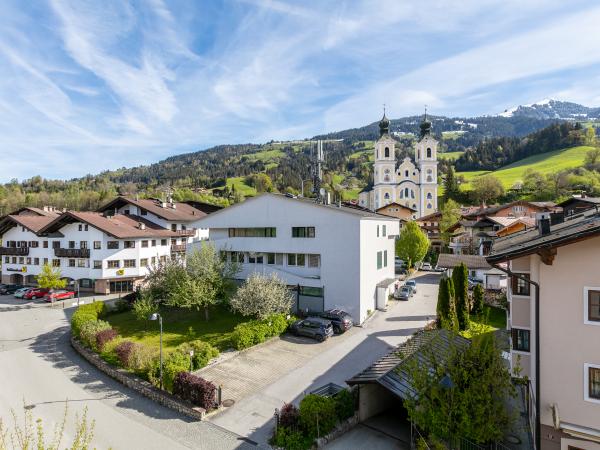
55 296
36 293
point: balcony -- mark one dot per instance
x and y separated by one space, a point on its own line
72 252
177 248
190 232
14 251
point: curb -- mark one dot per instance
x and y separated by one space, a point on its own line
137 384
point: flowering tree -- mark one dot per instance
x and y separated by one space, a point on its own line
261 296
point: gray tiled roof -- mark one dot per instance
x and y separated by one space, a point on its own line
473 262
530 241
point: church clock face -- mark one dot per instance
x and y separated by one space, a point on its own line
386 175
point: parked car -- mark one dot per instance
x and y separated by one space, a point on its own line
62 294
10 289
313 327
426 266
404 293
472 282
340 320
413 284
36 293
21 292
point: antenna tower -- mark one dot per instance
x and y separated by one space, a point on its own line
317 160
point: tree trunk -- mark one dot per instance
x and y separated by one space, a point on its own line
206 313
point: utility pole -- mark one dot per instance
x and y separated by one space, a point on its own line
317 160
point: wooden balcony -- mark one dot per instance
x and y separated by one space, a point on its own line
190 232
14 251
72 252
178 248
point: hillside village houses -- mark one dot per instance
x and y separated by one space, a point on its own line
332 256
554 299
107 251
412 184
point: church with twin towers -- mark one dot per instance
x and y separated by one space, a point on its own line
407 183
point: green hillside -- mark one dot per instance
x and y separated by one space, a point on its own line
550 162
450 155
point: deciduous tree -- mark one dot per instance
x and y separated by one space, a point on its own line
261 296
50 278
450 215
412 244
487 188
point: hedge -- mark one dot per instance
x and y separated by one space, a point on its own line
89 330
196 390
256 331
203 352
317 415
86 313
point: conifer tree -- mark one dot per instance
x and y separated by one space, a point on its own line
461 298
478 299
446 309
452 319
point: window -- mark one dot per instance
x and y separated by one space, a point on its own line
113 264
593 306
71 263
303 232
406 174
28 261
129 244
520 339
153 260
383 230
386 152
271 258
314 260
97 245
45 244
429 196
429 206
311 291
291 259
34 244
428 152
97 264
301 259
85 227
80 227
126 212
594 382
385 258
143 212
14 259
163 242
71 244
83 244
520 286
45 260
82 263
251 258
55 244
144 244
112 245
153 243
21 260
144 262
36 261
56 263
377 230
129 263
259 259
279 259
7 259
253 232
379 260
173 227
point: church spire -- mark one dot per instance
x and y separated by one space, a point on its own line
384 124
425 125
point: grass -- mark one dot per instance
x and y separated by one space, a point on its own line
241 187
451 135
266 156
492 319
453 156
545 163
179 326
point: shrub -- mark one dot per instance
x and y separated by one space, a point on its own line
105 336
196 390
86 313
124 351
256 331
242 336
317 415
142 358
289 416
345 404
291 439
203 352
174 363
121 305
89 330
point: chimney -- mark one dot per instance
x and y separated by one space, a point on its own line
543 223
173 205
163 204
141 225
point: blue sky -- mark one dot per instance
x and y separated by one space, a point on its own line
87 86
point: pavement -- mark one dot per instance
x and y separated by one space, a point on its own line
284 370
41 371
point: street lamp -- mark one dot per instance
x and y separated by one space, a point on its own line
157 316
191 361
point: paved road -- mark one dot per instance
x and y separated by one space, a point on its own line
39 367
339 359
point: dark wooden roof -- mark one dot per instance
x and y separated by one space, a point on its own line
175 212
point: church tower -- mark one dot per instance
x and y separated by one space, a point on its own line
426 160
384 177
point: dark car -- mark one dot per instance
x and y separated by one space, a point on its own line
340 320
313 327
10 289
404 293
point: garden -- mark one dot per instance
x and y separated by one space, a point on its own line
201 312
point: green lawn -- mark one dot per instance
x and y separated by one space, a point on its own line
179 326
265 156
451 135
241 187
492 319
545 163
450 155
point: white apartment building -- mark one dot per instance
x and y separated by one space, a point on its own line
554 302
108 251
331 256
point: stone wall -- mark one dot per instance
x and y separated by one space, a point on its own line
137 384
340 429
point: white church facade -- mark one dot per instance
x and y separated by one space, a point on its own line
408 183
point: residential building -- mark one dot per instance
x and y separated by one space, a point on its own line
431 225
518 208
398 211
332 256
412 184
554 299
578 204
104 252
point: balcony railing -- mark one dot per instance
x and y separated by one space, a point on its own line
461 241
72 252
178 248
14 251
189 232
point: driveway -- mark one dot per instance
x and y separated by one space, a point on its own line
262 379
40 369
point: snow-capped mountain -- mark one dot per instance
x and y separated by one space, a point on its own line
553 109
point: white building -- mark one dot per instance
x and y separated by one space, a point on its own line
107 251
413 184
333 256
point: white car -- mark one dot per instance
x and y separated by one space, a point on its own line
426 266
19 293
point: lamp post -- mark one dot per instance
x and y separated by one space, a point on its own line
191 361
157 316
